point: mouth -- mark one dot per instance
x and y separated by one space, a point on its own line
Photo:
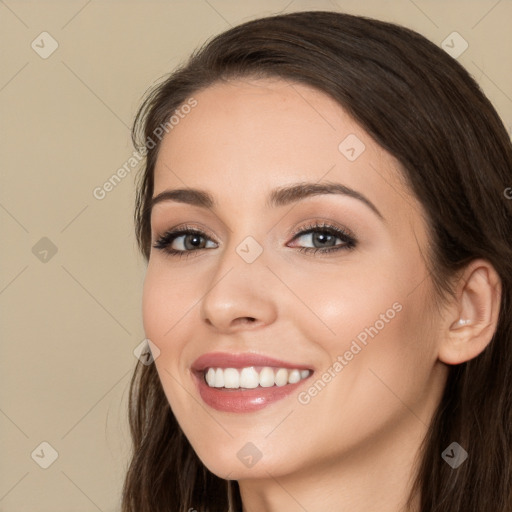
245 382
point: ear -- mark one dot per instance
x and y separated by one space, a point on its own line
473 316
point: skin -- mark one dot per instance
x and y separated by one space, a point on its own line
353 446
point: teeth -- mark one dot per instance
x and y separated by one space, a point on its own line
210 377
249 378
281 377
267 377
219 378
231 378
294 376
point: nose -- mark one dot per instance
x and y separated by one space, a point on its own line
238 296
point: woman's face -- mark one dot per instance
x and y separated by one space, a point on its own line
355 312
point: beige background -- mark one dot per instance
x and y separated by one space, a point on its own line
70 323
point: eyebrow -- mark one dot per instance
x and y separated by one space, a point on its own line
281 196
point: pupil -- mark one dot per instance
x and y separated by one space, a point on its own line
322 237
195 240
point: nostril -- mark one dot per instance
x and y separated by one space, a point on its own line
246 320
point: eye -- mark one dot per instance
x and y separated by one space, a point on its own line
186 240
323 236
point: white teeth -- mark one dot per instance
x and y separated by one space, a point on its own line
219 378
281 377
249 378
294 376
267 377
210 377
231 378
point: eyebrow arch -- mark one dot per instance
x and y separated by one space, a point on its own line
281 196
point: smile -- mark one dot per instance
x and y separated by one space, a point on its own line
245 382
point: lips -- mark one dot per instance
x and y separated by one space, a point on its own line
228 360
244 400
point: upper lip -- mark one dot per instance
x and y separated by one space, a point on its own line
243 360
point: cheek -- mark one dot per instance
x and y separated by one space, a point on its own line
377 377
368 321
381 357
353 301
167 302
168 298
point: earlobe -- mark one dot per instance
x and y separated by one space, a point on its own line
473 316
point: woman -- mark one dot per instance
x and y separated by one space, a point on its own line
328 290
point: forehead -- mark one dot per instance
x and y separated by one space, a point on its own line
246 137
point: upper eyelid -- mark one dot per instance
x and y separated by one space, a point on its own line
319 225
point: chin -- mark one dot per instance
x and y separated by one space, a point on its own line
245 461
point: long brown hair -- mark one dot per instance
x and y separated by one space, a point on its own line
424 108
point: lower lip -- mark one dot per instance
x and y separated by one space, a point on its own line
243 400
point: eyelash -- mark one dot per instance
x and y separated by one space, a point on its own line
349 240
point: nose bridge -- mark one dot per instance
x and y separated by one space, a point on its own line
243 252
